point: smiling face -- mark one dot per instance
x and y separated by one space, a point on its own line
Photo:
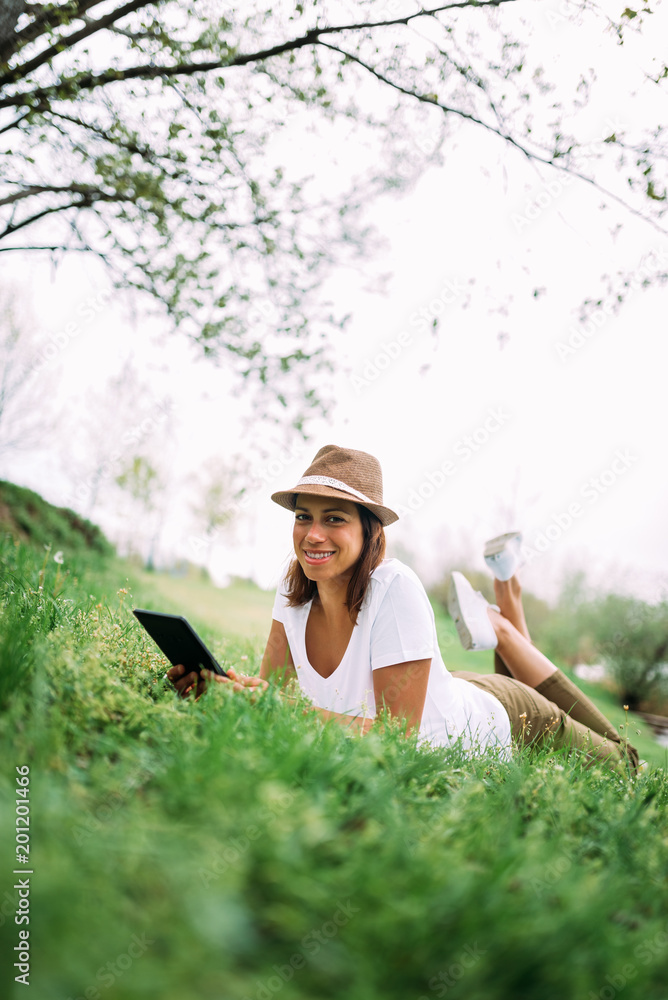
328 537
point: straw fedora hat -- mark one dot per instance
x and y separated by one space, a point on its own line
346 475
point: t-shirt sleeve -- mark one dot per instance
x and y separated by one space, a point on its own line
280 604
403 628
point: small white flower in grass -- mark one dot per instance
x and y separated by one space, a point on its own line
59 558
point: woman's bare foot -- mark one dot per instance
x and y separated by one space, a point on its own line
509 599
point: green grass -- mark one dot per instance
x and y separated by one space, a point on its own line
223 849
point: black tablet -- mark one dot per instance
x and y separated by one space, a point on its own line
178 640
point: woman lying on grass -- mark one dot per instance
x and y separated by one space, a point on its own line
358 632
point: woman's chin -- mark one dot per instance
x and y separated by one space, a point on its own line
319 572
314 572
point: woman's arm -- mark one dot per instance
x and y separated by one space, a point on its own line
402 689
350 722
277 656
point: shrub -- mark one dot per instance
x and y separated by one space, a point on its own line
566 634
628 635
632 637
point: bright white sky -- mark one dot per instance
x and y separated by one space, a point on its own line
584 432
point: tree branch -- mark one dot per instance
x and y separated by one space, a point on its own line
132 147
85 189
90 195
65 249
15 123
134 36
432 101
90 28
84 202
90 81
45 19
529 154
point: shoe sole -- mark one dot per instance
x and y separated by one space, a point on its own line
465 636
463 630
498 544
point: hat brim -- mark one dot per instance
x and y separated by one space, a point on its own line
288 499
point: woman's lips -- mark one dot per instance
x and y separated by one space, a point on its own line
315 558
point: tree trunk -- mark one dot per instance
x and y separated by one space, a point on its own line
10 11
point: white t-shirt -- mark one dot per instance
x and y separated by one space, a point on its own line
396 624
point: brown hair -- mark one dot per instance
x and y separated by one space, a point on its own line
300 590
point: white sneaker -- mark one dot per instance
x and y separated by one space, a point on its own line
469 612
503 554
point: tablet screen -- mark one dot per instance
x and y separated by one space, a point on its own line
178 640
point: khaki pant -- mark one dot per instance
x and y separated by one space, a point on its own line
556 713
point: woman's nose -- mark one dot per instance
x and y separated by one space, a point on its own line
315 533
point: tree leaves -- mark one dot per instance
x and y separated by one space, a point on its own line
164 122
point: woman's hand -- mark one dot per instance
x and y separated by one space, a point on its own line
197 682
239 682
186 682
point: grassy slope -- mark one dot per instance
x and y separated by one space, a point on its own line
246 851
27 515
